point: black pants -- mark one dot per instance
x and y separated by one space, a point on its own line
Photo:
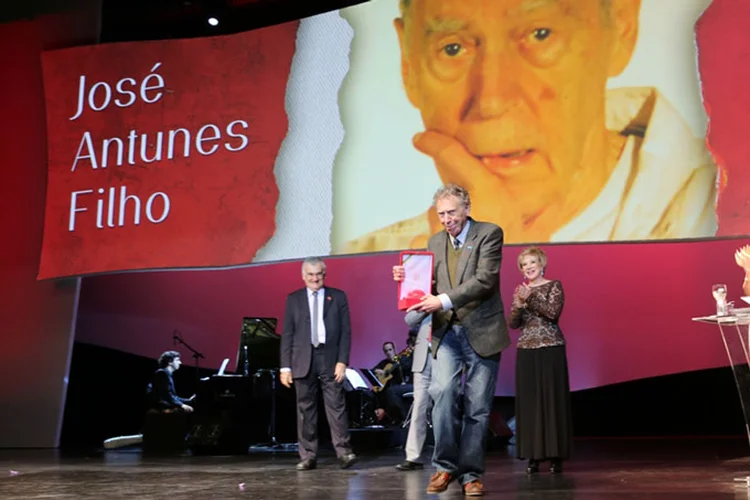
307 409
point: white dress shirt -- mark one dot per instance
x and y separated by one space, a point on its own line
321 324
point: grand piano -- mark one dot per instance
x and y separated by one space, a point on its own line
249 407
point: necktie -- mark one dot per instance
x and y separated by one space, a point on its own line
315 340
456 244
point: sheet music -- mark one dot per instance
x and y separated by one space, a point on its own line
355 379
374 382
223 366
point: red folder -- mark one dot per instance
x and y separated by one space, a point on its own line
417 277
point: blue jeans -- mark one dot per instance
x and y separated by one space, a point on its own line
459 444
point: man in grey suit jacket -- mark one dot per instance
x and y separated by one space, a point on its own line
469 333
314 353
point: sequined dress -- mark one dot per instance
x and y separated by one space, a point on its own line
543 416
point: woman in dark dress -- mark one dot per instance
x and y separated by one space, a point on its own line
543 421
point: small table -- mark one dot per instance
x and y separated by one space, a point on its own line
735 334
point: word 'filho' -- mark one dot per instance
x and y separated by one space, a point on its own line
117 207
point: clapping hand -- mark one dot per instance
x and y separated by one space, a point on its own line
520 294
742 258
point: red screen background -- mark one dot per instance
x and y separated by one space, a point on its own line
627 313
628 305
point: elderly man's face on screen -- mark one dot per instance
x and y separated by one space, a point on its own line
520 86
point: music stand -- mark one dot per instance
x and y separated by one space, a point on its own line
372 378
355 379
273 445
259 344
362 387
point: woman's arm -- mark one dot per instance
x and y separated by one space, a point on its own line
548 306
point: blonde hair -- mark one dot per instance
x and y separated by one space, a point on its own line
533 252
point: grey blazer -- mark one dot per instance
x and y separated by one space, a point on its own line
476 296
419 358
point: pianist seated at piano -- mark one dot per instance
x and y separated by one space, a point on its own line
394 372
162 392
165 425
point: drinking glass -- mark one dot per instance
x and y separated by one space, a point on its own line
719 292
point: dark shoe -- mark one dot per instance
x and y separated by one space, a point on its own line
556 466
474 489
409 465
307 464
348 460
439 482
533 467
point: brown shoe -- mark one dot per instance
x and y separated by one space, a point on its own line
474 489
439 482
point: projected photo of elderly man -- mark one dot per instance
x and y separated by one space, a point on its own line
513 97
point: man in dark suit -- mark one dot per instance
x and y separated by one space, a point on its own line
314 355
469 333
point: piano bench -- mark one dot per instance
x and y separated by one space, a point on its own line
165 431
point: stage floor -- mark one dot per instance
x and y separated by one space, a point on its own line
634 468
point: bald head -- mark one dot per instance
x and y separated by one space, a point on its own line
605 4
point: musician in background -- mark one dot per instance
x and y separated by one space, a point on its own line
395 376
394 371
162 391
166 421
